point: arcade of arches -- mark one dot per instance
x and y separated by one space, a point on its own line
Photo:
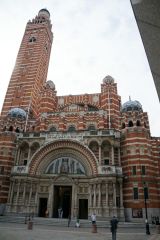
67 175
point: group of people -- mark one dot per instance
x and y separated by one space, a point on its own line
113 223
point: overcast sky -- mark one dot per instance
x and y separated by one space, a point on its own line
92 39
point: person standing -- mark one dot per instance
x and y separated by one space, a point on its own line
114 224
93 218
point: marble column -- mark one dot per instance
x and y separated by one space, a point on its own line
113 163
94 195
18 187
100 155
90 196
24 193
11 192
99 195
107 195
29 155
119 156
30 194
50 200
114 194
121 195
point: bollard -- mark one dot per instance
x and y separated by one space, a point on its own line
30 225
94 228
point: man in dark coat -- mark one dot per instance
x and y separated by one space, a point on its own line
114 224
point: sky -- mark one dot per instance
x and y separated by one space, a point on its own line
92 39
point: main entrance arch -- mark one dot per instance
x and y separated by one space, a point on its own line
64 167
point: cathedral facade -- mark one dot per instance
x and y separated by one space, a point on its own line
79 153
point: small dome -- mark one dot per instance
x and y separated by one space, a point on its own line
44 12
108 79
50 84
17 113
132 106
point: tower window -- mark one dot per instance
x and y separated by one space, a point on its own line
32 39
143 170
71 129
123 125
106 161
138 123
130 124
135 193
134 170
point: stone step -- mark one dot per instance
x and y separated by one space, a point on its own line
64 222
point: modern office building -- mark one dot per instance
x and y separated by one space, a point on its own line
79 153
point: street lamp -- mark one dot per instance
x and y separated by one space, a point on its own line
145 202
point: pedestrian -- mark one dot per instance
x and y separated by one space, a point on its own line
114 224
93 218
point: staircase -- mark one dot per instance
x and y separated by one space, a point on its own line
64 222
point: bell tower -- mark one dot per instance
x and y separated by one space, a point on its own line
30 71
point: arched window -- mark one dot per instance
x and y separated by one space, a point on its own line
17 130
123 125
91 127
32 39
138 123
71 129
130 124
52 129
10 128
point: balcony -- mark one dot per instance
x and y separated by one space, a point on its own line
110 170
20 169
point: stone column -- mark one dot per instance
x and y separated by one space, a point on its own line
18 156
112 149
90 196
29 155
114 194
94 196
75 200
17 192
121 195
100 155
99 195
24 192
30 195
50 200
119 156
11 192
107 195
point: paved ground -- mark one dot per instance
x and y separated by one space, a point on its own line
20 232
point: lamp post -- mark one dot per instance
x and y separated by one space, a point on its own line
146 211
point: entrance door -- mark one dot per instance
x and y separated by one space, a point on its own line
62 200
42 207
83 208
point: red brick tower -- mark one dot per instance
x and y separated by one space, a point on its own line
23 94
31 66
138 162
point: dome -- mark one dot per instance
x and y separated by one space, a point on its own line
131 106
50 84
108 79
17 113
44 12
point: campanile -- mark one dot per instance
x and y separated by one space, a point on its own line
31 67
